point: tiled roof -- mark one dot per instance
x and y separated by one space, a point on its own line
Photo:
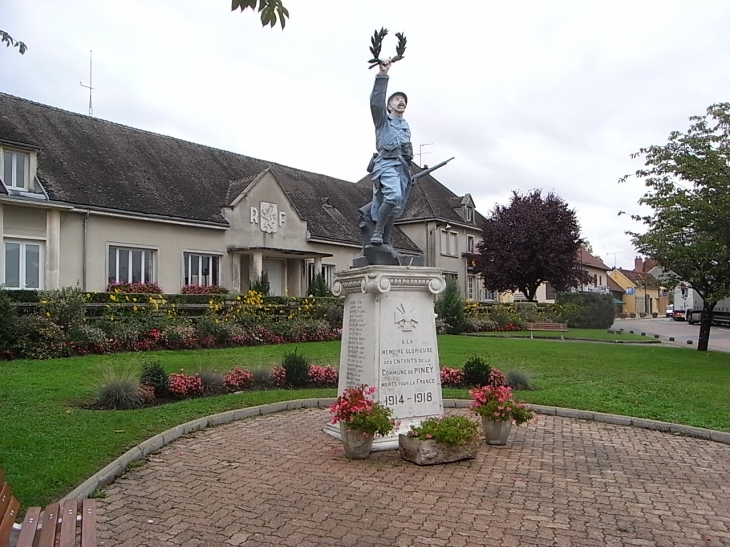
87 161
612 285
640 278
587 259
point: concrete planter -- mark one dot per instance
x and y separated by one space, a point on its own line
496 433
356 443
431 452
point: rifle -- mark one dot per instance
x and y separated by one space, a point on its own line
428 171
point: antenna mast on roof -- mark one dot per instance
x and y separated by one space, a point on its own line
421 152
91 109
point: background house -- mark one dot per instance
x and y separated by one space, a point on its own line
643 291
85 202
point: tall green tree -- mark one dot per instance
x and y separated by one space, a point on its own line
688 229
270 10
532 240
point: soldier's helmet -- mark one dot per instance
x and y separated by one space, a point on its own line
405 97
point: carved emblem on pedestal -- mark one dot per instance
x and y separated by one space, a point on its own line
404 318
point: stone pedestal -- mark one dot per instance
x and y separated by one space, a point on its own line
389 341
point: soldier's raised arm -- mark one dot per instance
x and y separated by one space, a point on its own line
378 108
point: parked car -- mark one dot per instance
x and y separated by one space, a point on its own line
670 310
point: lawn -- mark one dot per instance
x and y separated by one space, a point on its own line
49 443
572 334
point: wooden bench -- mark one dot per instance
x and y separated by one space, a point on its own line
60 523
548 327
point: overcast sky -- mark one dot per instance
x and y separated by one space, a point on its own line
530 94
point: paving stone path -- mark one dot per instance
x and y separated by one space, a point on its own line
277 480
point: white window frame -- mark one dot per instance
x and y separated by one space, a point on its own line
469 213
471 285
22 266
327 271
131 248
470 244
448 240
14 156
210 280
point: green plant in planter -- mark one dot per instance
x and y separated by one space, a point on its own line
454 430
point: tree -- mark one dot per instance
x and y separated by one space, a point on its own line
688 230
531 241
269 10
9 41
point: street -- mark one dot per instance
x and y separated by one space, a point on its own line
680 330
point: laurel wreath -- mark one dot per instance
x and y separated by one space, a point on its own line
376 44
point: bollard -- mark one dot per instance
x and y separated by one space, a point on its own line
689 342
631 332
643 334
656 336
671 338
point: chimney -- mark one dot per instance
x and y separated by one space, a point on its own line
638 264
425 166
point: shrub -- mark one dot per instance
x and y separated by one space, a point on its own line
518 380
154 375
211 381
88 339
450 307
118 390
296 367
318 287
476 372
185 385
451 377
479 324
8 326
66 307
261 285
39 338
238 379
323 376
178 337
585 310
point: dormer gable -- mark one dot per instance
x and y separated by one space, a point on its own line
18 167
466 208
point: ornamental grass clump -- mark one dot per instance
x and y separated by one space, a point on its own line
359 412
498 404
453 430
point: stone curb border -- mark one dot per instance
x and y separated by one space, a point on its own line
139 452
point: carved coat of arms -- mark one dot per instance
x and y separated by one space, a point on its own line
269 217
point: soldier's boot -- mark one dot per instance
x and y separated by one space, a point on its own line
383 216
388 231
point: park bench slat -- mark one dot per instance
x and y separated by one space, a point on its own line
8 511
49 524
67 538
30 527
88 523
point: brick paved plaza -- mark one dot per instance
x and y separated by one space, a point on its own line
278 480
